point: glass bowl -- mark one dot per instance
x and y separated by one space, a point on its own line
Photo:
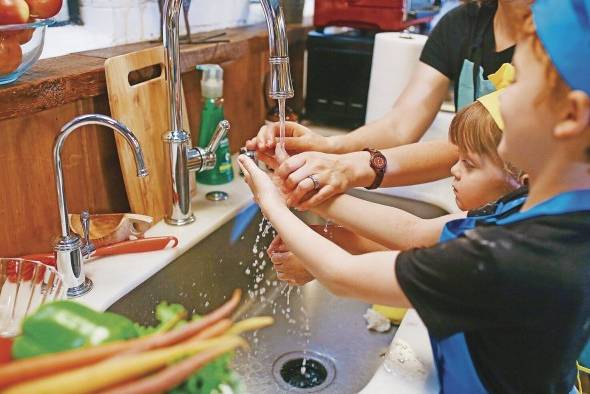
20 47
24 286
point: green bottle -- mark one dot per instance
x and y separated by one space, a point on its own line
212 114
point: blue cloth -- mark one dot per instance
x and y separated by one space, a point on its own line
585 356
456 228
563 26
456 371
468 91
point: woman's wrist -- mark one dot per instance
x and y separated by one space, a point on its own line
338 144
358 169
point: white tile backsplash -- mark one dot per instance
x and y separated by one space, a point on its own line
116 22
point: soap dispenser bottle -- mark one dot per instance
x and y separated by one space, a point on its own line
212 114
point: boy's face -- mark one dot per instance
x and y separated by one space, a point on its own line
478 181
528 121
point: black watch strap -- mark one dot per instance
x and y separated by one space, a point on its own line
378 163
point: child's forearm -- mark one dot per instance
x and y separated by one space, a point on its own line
370 277
348 240
391 227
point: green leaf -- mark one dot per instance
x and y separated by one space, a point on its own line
208 379
169 316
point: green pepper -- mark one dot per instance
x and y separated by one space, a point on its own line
66 325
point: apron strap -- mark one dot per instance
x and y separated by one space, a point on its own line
473 41
484 20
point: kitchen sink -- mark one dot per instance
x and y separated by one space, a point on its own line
311 324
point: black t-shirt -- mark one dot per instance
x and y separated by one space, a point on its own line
455 37
520 293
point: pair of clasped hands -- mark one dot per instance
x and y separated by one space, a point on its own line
302 180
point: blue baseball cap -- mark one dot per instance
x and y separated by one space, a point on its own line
563 26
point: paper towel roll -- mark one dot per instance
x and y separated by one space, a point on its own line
395 57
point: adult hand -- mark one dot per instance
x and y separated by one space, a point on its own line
334 174
289 267
298 138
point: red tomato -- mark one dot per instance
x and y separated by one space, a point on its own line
13 12
10 54
22 36
44 8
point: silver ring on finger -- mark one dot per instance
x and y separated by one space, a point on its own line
316 182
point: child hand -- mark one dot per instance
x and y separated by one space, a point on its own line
289 267
265 192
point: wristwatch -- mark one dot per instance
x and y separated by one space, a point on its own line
378 163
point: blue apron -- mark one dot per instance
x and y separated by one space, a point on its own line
472 84
471 88
456 372
585 356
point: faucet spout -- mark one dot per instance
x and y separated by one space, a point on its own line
171 40
275 21
68 129
181 158
281 86
69 248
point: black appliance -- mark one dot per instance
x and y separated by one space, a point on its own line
338 75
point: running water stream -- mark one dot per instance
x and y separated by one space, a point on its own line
280 151
281 155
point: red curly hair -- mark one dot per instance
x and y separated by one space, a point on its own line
556 87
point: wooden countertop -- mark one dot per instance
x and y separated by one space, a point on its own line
64 79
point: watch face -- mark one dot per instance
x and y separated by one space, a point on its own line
379 162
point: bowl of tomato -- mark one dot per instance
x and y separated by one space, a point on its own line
22 34
20 47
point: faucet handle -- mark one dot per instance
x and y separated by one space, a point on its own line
85 221
87 247
219 134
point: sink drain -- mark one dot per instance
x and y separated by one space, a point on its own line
304 372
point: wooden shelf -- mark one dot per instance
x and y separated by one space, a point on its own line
57 81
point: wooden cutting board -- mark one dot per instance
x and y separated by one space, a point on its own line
142 105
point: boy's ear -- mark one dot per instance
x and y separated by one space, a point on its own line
576 115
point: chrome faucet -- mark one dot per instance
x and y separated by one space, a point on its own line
281 86
70 249
181 158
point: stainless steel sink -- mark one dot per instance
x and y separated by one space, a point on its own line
310 322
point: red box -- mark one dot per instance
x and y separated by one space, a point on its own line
382 15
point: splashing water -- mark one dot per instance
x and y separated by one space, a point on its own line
303 368
327 226
289 293
277 298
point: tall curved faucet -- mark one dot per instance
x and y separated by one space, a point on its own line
70 249
281 86
181 158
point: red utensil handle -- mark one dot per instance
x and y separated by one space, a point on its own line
138 246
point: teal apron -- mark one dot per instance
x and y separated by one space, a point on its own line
456 372
585 356
472 83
